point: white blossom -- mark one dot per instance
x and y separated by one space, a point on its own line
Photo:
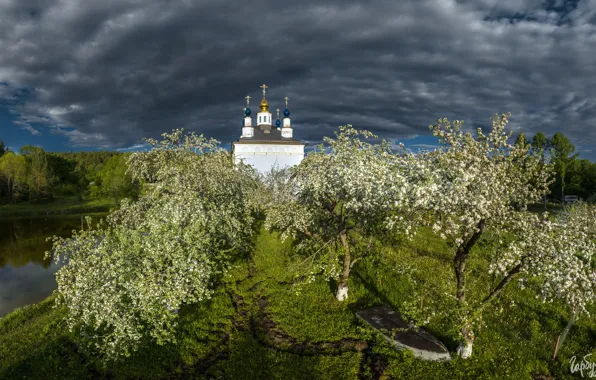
349 186
480 183
126 279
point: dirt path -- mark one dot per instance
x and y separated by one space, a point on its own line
252 317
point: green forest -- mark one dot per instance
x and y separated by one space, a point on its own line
573 176
34 175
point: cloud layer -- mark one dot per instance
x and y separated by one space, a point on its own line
108 73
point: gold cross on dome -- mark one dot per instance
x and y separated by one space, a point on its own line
247 99
286 99
264 87
277 113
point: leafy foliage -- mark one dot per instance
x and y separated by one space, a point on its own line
13 170
126 280
480 184
116 181
349 187
561 151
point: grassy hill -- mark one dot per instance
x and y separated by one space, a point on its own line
259 326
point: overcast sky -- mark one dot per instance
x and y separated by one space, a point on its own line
104 74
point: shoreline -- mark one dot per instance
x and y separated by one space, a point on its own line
70 212
57 206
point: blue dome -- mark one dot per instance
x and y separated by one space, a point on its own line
277 122
287 112
247 111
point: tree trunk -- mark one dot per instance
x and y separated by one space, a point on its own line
459 262
464 350
563 186
9 190
342 288
459 265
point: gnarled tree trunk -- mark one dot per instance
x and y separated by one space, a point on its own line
459 265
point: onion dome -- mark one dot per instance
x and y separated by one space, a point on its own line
247 111
287 112
277 123
264 105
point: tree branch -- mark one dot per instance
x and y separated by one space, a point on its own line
313 255
506 280
311 235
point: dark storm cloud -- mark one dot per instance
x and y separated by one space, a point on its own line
108 73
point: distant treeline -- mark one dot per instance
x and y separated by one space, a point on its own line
34 174
573 176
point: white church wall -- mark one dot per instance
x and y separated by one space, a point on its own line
264 157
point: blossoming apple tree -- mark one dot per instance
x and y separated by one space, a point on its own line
346 190
125 280
567 269
479 184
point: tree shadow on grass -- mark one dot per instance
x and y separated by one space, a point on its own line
443 257
249 359
373 289
57 359
363 302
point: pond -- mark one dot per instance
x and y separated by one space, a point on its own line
26 277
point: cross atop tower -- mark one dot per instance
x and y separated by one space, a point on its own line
247 99
264 87
286 99
277 113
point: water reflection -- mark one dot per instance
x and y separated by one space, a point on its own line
25 275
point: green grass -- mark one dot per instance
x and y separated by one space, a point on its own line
58 205
249 359
257 327
33 344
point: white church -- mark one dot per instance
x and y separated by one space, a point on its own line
264 145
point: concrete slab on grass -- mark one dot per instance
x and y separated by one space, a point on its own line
423 344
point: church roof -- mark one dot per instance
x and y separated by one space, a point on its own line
274 137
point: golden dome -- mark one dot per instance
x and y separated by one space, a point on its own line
264 105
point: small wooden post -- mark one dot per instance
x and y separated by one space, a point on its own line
556 347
